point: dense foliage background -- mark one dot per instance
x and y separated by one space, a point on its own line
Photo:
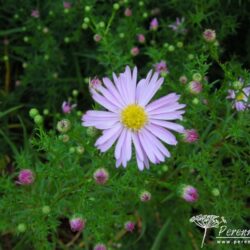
48 52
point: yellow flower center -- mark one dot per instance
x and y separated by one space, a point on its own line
134 117
240 97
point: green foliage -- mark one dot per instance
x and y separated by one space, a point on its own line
50 59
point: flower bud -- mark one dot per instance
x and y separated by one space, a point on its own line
195 87
145 196
116 6
238 85
134 51
63 126
197 77
97 38
129 226
101 176
46 209
92 131
100 247
183 79
141 38
21 228
77 224
209 35
80 150
154 24
38 119
215 192
189 193
25 177
33 112
128 12
64 138
190 135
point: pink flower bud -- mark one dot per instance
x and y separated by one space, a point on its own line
183 79
100 247
35 13
141 38
77 224
101 176
209 35
94 84
190 135
67 107
26 177
135 51
189 193
97 38
154 24
66 5
129 226
195 87
161 67
145 196
128 12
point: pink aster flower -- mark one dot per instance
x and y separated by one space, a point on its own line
141 38
178 25
132 119
154 24
190 135
240 98
35 13
77 224
67 107
161 67
145 196
25 177
189 193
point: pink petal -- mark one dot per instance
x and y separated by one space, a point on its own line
169 125
120 143
162 134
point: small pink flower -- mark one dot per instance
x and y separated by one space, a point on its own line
97 38
77 224
135 51
154 24
141 38
35 13
25 177
100 247
190 135
66 5
128 12
209 35
67 107
101 176
129 226
161 67
240 98
94 84
183 79
189 193
145 196
195 87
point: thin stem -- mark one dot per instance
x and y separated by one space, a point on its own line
204 237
